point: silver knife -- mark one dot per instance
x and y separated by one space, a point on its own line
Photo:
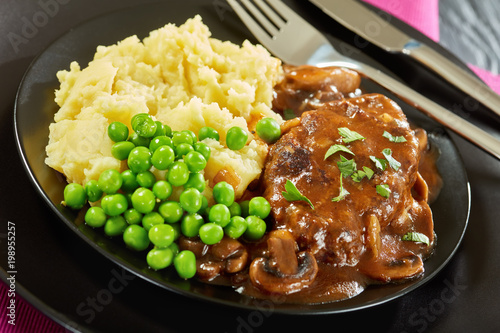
381 32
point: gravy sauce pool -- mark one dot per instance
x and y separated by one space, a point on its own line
336 250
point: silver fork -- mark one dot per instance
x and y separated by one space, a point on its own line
292 39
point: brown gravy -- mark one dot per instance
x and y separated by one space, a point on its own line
337 249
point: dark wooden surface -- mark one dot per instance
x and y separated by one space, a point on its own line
463 298
471 30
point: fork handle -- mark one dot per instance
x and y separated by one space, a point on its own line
443 116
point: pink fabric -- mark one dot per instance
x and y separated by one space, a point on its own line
423 15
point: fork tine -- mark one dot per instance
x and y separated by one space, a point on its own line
276 19
249 21
260 17
284 10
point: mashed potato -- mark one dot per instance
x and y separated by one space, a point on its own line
181 76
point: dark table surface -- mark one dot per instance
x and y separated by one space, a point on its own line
462 298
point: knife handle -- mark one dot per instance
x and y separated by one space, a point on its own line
443 116
455 75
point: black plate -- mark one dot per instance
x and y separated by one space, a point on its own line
35 109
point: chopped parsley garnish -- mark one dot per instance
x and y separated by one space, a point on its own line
346 167
380 163
349 136
289 114
360 174
343 193
392 162
336 148
293 194
384 190
416 237
393 138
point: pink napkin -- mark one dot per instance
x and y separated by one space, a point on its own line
423 15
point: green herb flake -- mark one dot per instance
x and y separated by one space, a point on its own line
380 163
416 237
384 190
289 114
360 174
349 136
336 148
343 193
393 138
369 172
346 167
392 161
293 194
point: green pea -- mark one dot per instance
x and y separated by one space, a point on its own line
120 150
211 233
151 219
203 149
235 209
159 258
146 179
110 181
161 235
171 211
129 181
163 157
236 138
191 134
93 191
115 226
144 125
162 189
236 227
132 216
178 174
117 131
139 141
95 217
190 200
219 214
139 159
75 196
183 149
191 224
168 130
256 228
208 132
143 200
159 141
185 264
268 130
136 237
259 207
223 193
160 129
196 180
195 161
244 208
182 137
174 247
114 204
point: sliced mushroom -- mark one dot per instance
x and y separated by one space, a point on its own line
285 271
397 269
373 235
232 253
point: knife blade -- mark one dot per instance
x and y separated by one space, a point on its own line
379 31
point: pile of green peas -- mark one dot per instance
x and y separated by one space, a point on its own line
139 207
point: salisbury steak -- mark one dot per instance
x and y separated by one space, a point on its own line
358 219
